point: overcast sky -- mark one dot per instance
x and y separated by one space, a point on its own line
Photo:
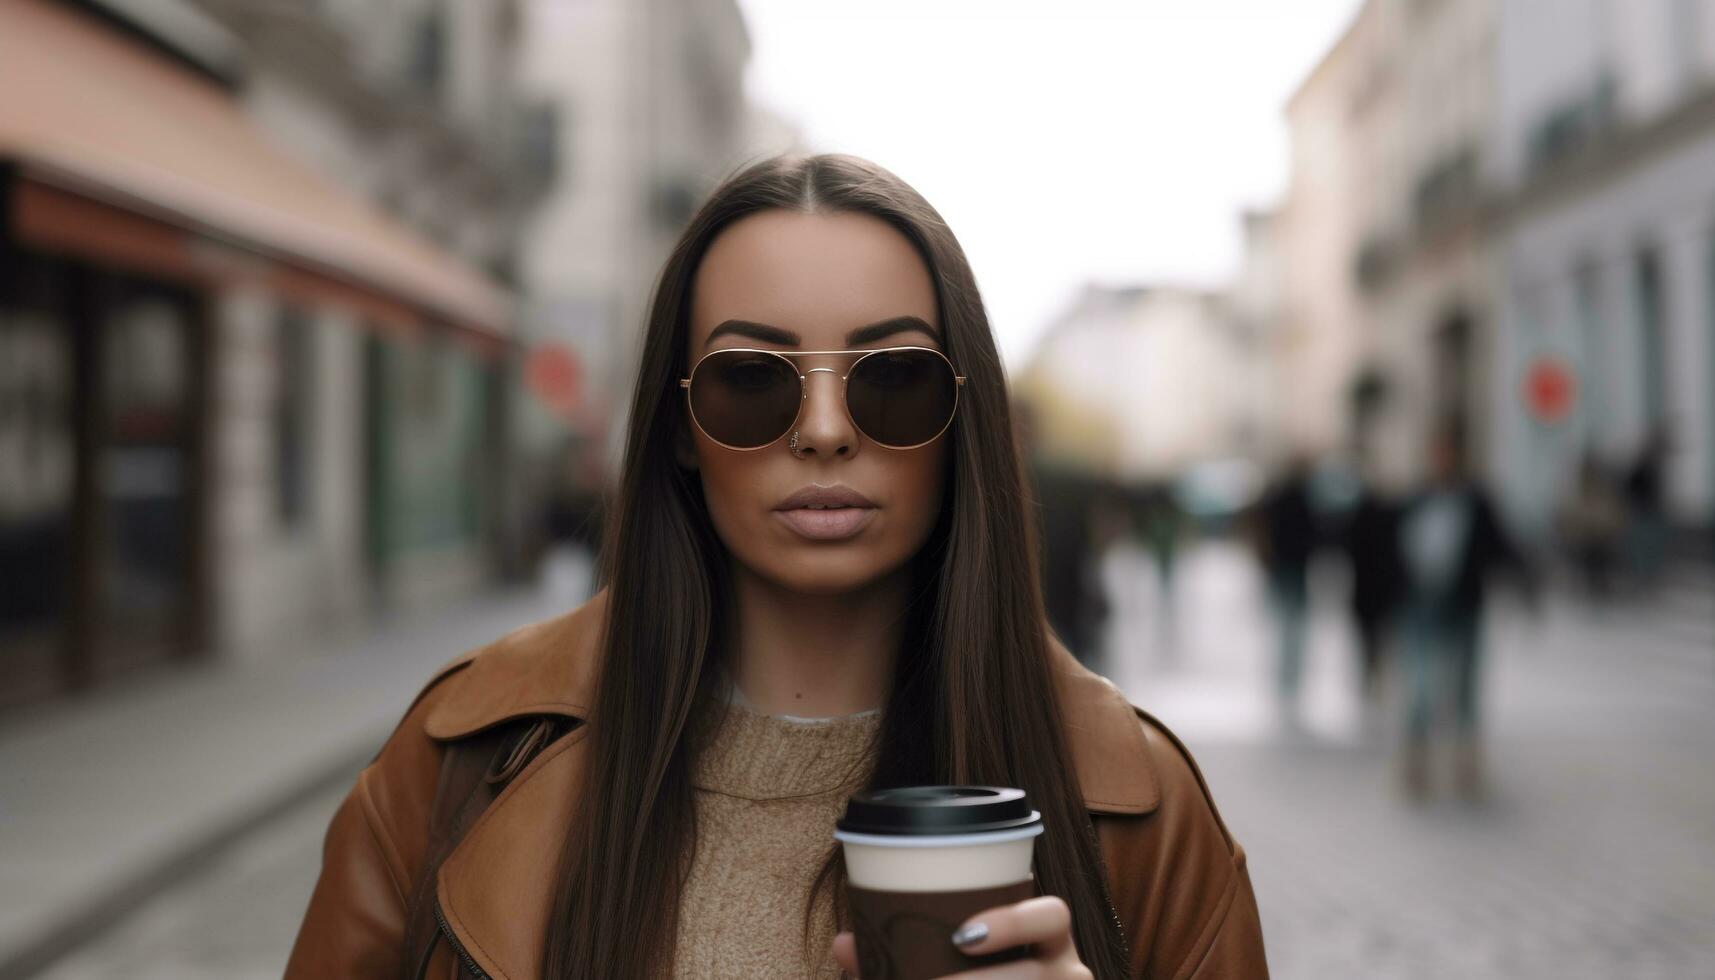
1064 142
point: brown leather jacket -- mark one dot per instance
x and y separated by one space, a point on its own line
1178 880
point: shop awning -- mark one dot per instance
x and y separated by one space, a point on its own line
122 153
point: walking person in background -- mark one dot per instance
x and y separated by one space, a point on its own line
1071 583
1288 539
1160 523
1451 541
1646 509
1591 522
1371 542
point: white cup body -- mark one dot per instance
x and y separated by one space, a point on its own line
954 862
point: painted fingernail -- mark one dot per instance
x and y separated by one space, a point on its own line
972 934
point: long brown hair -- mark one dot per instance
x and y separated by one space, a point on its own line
970 701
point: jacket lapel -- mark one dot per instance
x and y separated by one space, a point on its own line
496 887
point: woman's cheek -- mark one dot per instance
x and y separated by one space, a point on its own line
913 508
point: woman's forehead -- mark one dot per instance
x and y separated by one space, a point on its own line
815 275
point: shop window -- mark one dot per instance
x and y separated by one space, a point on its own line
36 461
294 336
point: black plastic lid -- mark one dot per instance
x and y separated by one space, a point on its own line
925 810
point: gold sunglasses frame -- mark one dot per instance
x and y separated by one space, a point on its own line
804 390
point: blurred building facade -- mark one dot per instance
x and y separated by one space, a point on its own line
1500 216
652 110
1606 151
1141 383
1390 284
255 316
1262 345
1320 226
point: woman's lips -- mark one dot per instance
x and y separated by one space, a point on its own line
832 524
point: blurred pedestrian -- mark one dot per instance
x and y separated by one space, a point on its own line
1288 540
1071 586
1451 541
1371 543
1160 523
1591 523
1646 508
1156 522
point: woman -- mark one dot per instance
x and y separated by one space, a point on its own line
809 585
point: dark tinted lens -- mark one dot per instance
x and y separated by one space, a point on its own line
902 398
745 399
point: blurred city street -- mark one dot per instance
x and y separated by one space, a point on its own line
1593 857
327 333
206 792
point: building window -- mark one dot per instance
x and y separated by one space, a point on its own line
1447 190
1587 287
1452 368
538 142
673 203
1568 128
293 337
429 50
36 468
1709 354
1652 335
425 378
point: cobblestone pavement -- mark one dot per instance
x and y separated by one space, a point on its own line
236 922
1593 856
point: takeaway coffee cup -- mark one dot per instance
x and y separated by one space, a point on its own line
920 860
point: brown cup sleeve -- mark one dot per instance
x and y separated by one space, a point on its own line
908 935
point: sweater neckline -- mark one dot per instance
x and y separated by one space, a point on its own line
757 756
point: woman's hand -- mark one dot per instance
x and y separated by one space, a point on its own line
1044 924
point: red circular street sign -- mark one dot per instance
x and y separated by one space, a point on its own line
556 377
1550 389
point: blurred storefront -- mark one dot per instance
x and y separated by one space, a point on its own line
1608 154
241 400
100 511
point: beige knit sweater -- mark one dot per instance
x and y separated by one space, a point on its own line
768 790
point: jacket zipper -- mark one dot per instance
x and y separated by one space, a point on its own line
453 941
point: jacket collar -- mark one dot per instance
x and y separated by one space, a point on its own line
496 887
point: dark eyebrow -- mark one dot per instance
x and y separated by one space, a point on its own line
862 335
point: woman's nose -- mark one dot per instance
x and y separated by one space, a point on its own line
824 428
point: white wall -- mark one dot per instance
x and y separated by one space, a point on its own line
1669 202
272 578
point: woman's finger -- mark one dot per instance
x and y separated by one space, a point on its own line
1044 922
845 951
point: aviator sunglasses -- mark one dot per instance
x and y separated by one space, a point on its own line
747 398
